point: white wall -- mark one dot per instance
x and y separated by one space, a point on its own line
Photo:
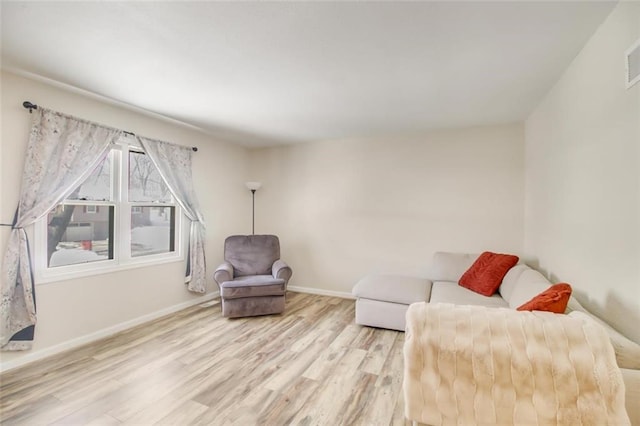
76 308
347 208
582 218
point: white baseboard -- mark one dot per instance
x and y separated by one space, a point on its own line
100 334
322 292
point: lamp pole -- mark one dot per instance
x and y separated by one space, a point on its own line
253 212
253 187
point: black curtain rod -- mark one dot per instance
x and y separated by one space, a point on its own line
30 106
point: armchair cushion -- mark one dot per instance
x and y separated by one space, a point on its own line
252 254
251 286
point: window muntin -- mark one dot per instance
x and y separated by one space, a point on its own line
83 248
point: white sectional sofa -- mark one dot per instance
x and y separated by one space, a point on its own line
382 301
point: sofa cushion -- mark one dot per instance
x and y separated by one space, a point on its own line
487 272
627 351
450 292
447 266
393 288
529 284
510 281
554 299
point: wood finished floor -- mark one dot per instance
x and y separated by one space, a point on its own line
311 365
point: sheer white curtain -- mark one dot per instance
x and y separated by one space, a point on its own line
174 164
61 153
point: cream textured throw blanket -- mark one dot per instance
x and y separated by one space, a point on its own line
471 365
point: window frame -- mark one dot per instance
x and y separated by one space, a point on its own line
123 208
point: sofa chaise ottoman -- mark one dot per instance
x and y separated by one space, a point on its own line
382 300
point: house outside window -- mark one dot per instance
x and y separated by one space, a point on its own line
121 216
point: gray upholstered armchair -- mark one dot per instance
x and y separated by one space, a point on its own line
252 280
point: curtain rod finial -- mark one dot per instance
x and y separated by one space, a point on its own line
28 105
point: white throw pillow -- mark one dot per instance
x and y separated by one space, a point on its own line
627 352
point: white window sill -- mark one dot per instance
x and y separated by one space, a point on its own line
64 273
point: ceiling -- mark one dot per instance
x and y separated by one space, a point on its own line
264 73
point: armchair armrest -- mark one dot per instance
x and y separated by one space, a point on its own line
223 273
281 270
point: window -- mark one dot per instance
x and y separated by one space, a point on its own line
152 209
122 215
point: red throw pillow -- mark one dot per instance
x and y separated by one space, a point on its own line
487 272
554 299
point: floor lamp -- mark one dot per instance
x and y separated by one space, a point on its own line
253 187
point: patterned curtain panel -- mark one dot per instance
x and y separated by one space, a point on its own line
61 153
174 164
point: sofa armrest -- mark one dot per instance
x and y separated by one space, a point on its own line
631 379
281 270
223 273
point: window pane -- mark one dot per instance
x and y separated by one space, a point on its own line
97 187
79 234
152 230
145 183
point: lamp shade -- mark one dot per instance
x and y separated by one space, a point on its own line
253 186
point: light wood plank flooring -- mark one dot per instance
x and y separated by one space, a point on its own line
311 365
